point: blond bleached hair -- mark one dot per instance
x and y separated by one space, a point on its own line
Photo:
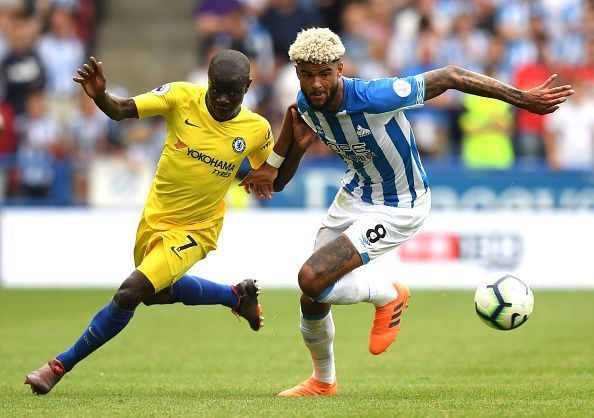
316 46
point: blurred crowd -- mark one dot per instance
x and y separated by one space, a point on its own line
46 122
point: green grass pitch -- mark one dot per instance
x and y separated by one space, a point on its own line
180 360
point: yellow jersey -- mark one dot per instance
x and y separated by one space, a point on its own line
200 156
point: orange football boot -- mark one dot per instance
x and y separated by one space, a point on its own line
312 387
386 324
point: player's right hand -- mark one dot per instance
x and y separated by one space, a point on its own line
303 134
545 98
92 78
260 181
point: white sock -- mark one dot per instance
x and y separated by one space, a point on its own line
318 335
381 292
354 287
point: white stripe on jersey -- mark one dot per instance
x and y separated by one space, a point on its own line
377 124
407 130
377 192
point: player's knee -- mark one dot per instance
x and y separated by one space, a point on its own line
309 282
127 298
160 298
133 290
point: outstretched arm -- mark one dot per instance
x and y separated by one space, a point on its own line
92 80
542 99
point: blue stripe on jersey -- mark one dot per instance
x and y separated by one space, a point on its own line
417 158
381 163
316 121
340 138
404 149
352 184
350 187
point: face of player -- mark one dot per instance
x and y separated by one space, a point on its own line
321 84
225 95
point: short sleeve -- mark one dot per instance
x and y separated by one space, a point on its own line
157 102
400 93
265 142
388 94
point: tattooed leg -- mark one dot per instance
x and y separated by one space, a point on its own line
327 265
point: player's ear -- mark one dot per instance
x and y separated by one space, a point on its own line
340 66
247 86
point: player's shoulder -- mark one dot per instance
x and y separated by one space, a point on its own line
253 117
179 89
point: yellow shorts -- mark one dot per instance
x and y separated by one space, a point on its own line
165 256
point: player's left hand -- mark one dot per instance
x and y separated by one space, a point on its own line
260 181
544 98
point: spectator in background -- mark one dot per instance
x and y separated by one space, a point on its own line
515 22
232 24
61 53
283 19
86 20
365 36
8 12
567 27
413 51
8 139
466 45
486 126
528 136
431 122
8 143
218 22
331 10
38 147
22 69
585 70
569 134
88 129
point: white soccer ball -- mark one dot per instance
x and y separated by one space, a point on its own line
504 303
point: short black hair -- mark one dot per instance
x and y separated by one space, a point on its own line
230 63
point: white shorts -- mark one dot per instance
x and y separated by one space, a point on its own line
373 229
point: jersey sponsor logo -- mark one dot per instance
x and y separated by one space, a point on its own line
180 144
267 144
361 131
187 122
354 152
402 87
212 161
238 145
161 90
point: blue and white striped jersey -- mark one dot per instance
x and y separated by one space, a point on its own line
374 138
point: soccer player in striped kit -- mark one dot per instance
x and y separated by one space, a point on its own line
385 195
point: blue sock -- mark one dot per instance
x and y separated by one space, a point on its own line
105 325
191 290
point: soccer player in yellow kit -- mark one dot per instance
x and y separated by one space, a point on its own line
209 134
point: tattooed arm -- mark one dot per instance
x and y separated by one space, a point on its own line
542 99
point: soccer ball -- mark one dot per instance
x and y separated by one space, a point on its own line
504 303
